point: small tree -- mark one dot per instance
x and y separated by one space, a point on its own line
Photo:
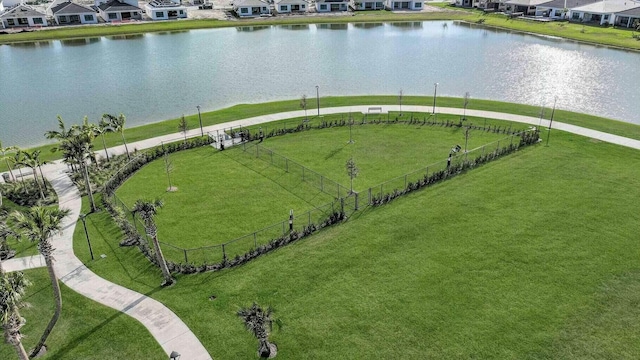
117 124
103 128
183 127
400 100
5 157
12 288
148 211
260 322
352 171
303 105
168 166
466 102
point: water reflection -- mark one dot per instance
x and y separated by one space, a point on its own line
171 32
367 25
32 44
333 26
295 27
407 25
80 42
252 28
125 37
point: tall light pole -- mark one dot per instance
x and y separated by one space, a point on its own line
86 233
318 98
555 99
435 92
200 118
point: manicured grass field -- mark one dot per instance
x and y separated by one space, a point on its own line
86 329
219 198
531 256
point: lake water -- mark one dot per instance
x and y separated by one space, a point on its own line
157 76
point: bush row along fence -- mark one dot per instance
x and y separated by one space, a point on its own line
307 175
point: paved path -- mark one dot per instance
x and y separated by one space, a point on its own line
23 263
594 134
167 328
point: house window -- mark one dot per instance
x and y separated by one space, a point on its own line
159 14
418 5
181 12
10 22
113 16
558 13
302 6
575 16
323 7
264 8
38 21
606 17
88 18
244 11
283 8
379 5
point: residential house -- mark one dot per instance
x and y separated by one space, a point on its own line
251 8
368 5
165 10
526 7
603 12
404 4
559 9
627 18
70 13
291 6
116 10
468 3
332 5
23 15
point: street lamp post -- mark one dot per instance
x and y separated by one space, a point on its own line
200 118
435 93
555 99
86 233
318 98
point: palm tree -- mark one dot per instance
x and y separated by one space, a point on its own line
61 135
5 157
103 128
12 288
39 224
117 124
17 158
148 210
28 160
259 323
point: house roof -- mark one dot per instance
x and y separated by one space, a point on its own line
164 4
22 11
525 2
71 8
294 2
608 6
560 4
635 12
239 3
116 5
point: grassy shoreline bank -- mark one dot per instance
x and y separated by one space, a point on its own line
242 111
613 37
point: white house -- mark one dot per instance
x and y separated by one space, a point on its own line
116 10
526 7
468 3
368 4
70 13
601 12
23 15
404 4
628 17
332 5
250 8
165 10
291 6
559 9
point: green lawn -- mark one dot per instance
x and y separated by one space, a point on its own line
221 196
531 256
85 330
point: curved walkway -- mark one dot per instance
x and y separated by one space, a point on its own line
23 263
165 326
594 134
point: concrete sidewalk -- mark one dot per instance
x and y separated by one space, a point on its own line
167 328
23 263
594 134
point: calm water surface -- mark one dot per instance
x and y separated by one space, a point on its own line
154 77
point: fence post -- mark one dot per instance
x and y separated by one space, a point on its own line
342 205
380 190
356 205
483 150
255 241
512 139
224 255
369 196
405 181
185 256
283 229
